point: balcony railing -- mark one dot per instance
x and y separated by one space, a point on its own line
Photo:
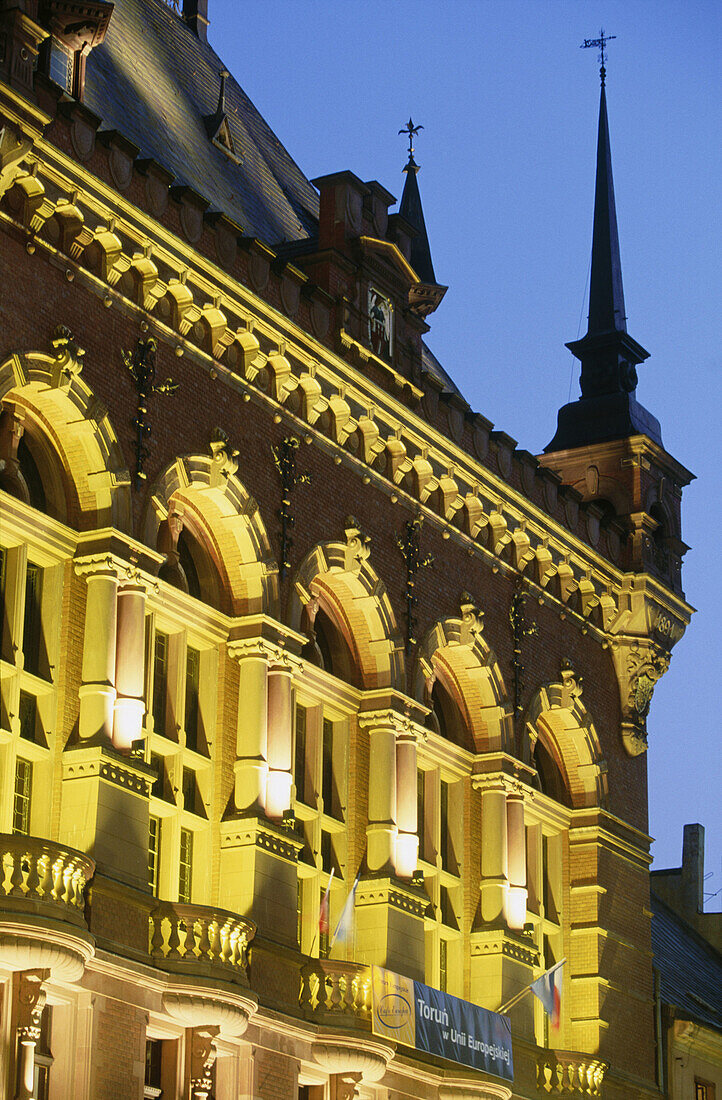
331 990
568 1071
42 877
196 939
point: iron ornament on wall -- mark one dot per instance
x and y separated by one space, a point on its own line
284 457
141 365
408 544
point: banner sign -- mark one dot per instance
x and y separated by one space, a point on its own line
427 1019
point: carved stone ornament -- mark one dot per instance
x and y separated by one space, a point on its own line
224 460
191 219
571 685
639 667
357 549
202 1057
121 167
320 319
290 296
68 357
226 245
82 137
472 620
259 271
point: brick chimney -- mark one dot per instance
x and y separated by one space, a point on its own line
195 13
693 870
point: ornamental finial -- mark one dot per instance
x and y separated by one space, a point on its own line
599 44
411 131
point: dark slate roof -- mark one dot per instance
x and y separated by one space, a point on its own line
690 969
432 365
155 82
412 210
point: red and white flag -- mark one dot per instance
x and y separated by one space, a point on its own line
548 988
323 911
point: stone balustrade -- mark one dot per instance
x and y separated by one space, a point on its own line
43 878
331 989
567 1071
197 939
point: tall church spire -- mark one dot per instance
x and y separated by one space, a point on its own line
609 356
606 296
425 296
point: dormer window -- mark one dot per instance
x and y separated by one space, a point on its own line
73 34
61 65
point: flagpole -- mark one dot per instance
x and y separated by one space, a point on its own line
514 1000
518 996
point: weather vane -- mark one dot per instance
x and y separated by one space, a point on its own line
599 44
411 130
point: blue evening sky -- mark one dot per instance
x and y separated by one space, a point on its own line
509 104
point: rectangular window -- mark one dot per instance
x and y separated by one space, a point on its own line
43 1056
153 854
327 768
444 824
703 1090
420 816
61 64
192 708
299 912
3 613
326 852
27 713
443 964
300 754
189 790
22 796
323 935
32 624
160 681
153 1066
185 872
158 763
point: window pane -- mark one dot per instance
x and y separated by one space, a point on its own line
189 790
186 865
3 575
153 853
28 711
420 816
22 796
444 824
300 758
32 623
443 964
192 713
160 681
158 763
61 66
327 772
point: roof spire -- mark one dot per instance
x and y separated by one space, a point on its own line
412 211
609 356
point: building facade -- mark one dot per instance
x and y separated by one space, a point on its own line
278 603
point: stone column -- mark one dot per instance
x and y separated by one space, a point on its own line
407 840
516 849
129 666
29 1003
97 691
280 740
381 829
494 879
251 765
